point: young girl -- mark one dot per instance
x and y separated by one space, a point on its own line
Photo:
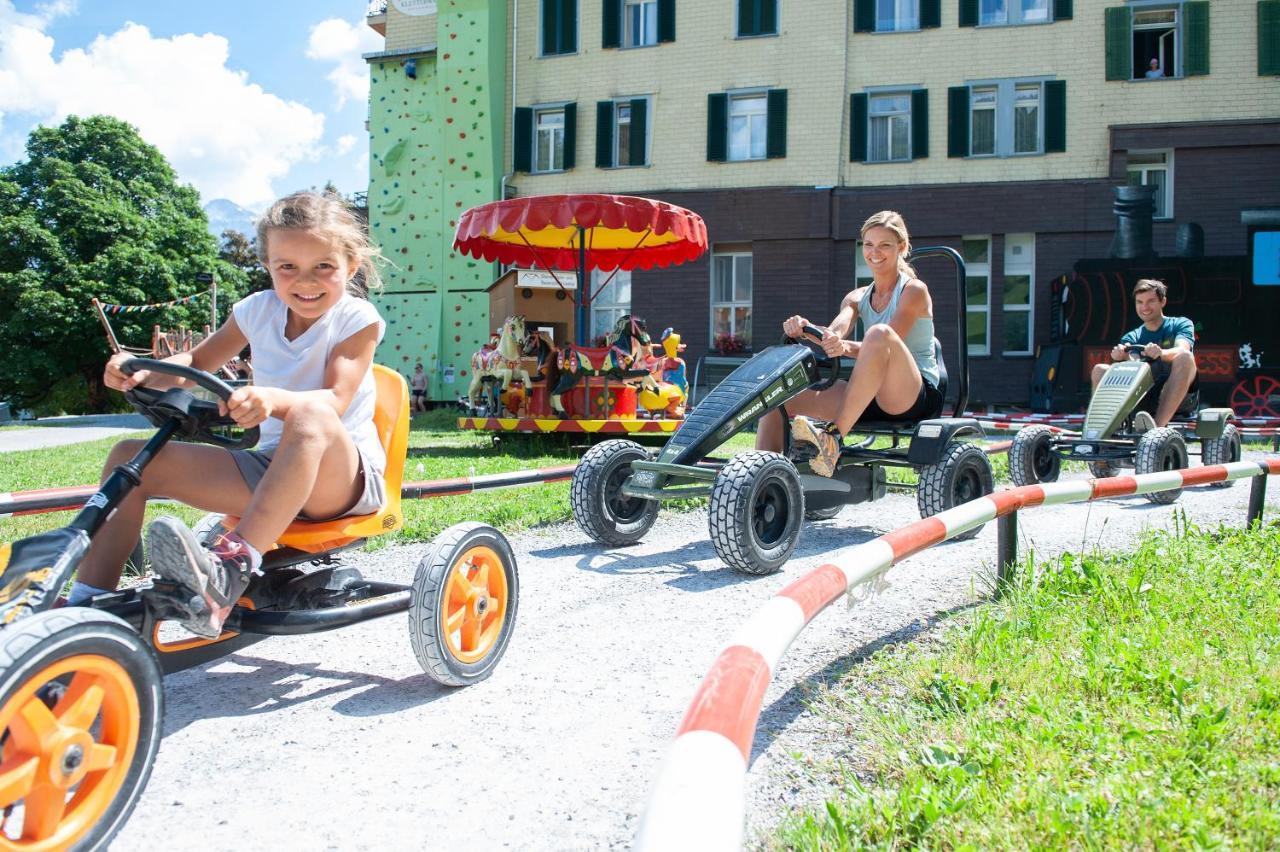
312 337
895 376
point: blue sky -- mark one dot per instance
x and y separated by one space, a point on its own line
248 100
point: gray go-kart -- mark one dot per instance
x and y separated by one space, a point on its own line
758 500
1108 441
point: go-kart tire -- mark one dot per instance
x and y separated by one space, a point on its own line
599 507
1103 469
1222 450
964 474
463 606
822 514
1160 449
88 690
1031 457
756 511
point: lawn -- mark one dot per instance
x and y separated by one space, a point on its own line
1125 701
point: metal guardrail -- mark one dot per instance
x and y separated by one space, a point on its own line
699 801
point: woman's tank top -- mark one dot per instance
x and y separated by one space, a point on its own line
919 339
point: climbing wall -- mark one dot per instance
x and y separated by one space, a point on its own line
435 149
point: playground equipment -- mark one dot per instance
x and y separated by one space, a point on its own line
596 388
1108 439
81 703
758 500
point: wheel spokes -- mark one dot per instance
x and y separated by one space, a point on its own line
100 757
45 806
80 706
17 776
33 726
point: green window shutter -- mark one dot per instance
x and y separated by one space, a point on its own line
958 121
768 16
569 27
604 134
919 124
611 24
1119 42
864 16
1195 61
1055 116
639 130
522 140
1269 37
666 20
550 26
858 128
717 127
570 136
930 14
748 17
968 13
1062 10
775 144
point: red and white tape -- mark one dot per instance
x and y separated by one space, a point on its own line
699 801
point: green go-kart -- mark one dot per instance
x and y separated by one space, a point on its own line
1108 441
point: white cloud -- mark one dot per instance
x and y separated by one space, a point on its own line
220 131
345 143
342 43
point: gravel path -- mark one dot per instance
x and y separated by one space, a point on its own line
339 741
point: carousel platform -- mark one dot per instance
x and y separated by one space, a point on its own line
550 425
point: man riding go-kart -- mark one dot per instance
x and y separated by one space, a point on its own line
1130 421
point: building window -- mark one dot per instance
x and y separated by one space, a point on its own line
622 134
1154 168
862 276
640 23
1005 119
610 304
897 15
748 126
559 27
757 18
994 13
731 297
889 128
548 146
1155 43
977 283
1019 290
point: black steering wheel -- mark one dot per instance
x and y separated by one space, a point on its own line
197 417
830 363
1136 349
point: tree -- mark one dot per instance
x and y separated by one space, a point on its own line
239 251
94 211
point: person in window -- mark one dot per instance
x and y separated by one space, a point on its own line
1154 70
895 372
1167 342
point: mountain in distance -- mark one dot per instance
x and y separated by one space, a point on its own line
225 214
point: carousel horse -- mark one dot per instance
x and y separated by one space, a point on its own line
539 345
667 385
507 364
620 358
483 378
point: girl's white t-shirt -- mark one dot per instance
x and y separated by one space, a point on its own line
298 364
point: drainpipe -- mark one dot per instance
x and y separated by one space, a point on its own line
515 40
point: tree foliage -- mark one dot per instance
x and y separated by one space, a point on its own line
242 252
94 211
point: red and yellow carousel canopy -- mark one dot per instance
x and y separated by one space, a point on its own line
620 231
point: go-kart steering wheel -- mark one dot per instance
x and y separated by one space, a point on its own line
197 417
1136 349
824 360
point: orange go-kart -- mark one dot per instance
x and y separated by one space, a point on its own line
81 702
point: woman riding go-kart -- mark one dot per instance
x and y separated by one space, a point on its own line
81 702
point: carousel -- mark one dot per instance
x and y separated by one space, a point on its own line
540 372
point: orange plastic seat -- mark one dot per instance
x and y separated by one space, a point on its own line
391 418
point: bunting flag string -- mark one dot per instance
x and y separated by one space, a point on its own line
129 309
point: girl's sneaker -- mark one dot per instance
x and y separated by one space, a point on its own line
216 576
823 436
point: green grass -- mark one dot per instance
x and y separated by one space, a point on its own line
1126 701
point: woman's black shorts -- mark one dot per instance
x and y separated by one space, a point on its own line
928 404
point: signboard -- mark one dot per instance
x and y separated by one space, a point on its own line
415 7
1266 258
540 278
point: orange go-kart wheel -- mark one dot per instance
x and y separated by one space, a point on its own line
464 604
80 712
